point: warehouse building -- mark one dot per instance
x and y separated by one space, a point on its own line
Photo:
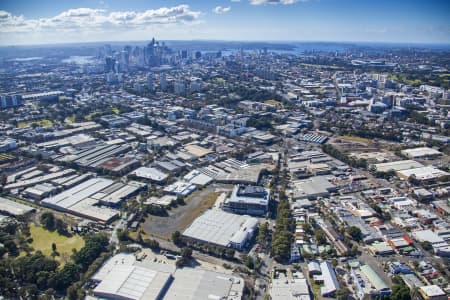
422 173
312 188
124 277
287 285
13 208
198 178
87 199
378 286
330 282
151 174
251 200
180 188
222 228
432 292
313 138
421 153
397 165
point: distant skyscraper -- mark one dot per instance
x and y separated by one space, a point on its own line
198 55
184 54
109 64
124 60
153 54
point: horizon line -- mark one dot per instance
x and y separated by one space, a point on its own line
404 43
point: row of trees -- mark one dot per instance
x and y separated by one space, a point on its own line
282 237
334 152
263 238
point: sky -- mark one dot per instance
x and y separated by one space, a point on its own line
64 21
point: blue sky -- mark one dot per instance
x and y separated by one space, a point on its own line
60 21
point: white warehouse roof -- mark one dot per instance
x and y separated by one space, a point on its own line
218 227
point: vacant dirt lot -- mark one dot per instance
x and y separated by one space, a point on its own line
182 216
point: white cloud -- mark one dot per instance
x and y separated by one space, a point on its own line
97 19
284 2
235 0
221 10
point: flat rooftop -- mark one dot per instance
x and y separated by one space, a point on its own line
398 165
216 226
14 208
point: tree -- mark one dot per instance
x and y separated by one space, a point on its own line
248 262
342 294
152 244
61 227
11 247
355 233
75 291
426 245
320 237
94 246
413 180
48 220
176 238
53 247
400 290
68 274
263 235
122 235
186 253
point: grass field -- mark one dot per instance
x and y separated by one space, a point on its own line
43 240
404 79
91 115
5 157
355 138
273 102
70 119
321 66
41 123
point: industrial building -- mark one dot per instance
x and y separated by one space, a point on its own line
13 208
313 138
330 282
432 292
180 188
397 165
151 174
124 277
198 178
288 285
32 177
91 199
222 228
251 200
96 155
422 173
312 188
421 153
377 285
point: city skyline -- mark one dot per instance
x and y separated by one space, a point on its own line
47 22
